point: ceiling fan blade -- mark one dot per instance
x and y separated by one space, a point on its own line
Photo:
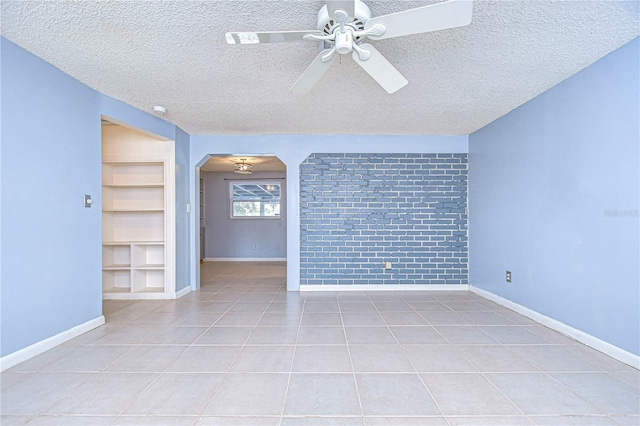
346 5
269 37
435 17
380 69
313 73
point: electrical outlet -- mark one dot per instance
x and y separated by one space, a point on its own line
508 276
255 247
387 265
87 201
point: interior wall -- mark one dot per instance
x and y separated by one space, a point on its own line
360 210
553 198
50 245
51 249
292 151
227 238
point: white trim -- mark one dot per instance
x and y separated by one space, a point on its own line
37 348
384 287
245 259
582 337
138 296
182 292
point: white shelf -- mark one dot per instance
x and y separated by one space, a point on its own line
138 215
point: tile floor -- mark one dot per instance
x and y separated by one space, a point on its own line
243 351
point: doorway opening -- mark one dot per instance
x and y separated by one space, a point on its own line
242 223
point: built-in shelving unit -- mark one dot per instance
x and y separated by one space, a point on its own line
136 233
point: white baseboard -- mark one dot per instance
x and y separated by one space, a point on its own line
136 296
245 259
387 287
37 348
182 292
582 337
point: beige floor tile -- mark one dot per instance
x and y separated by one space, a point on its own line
394 394
485 318
225 335
322 421
357 306
443 318
465 335
103 394
321 319
433 306
438 359
362 319
322 359
155 420
322 395
249 394
176 394
459 394
175 335
380 358
321 336
553 357
72 420
417 334
239 420
205 359
406 421
402 318
495 359
539 394
273 336
574 420
370 335
626 420
89 358
147 358
321 306
268 359
281 319
489 421
250 306
36 392
394 306
603 391
511 335
124 336
240 318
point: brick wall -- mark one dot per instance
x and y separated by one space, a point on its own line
359 210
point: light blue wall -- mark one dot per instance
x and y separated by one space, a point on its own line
292 150
183 234
51 156
51 253
235 238
553 198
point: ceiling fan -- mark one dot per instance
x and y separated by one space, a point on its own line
345 25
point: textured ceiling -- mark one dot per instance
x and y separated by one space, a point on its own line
173 53
226 163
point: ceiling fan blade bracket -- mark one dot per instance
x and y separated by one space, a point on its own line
363 55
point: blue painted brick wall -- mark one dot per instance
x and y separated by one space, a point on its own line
359 210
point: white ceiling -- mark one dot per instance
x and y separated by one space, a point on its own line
173 53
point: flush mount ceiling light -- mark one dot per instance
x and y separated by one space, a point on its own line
243 168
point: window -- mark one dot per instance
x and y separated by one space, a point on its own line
256 199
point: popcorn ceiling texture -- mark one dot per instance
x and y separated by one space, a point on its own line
173 53
360 210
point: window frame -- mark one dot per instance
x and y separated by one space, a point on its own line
262 202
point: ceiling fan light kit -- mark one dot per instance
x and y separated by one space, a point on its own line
345 25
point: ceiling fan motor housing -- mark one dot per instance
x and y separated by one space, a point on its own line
328 24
